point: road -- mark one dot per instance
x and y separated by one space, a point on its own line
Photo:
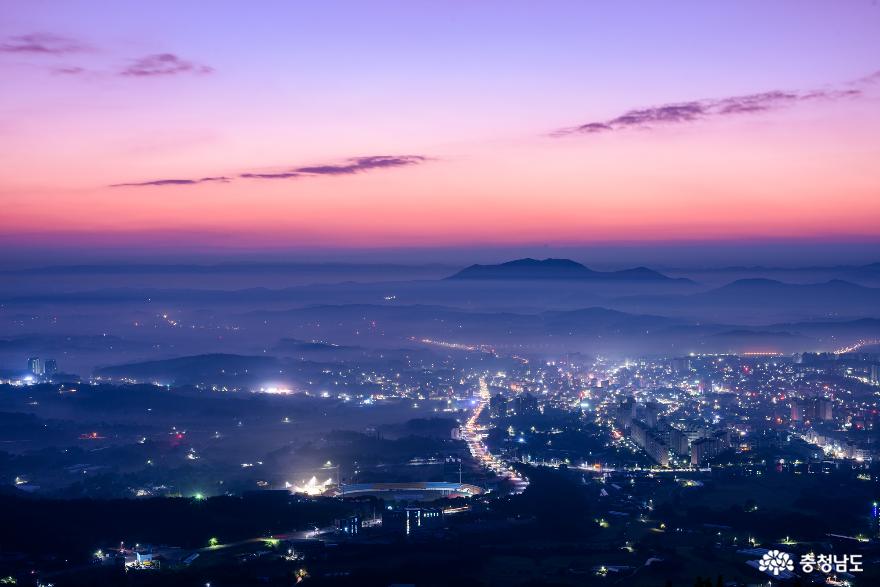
474 434
299 535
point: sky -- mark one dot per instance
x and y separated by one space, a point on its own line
233 126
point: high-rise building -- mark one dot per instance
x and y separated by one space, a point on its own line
724 438
875 519
35 366
409 520
824 409
681 365
652 411
811 409
626 411
797 410
497 406
351 525
703 449
875 373
50 367
525 403
653 444
678 442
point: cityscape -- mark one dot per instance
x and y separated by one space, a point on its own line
714 457
569 293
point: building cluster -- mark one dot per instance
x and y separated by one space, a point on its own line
812 409
668 443
411 520
42 369
696 410
524 404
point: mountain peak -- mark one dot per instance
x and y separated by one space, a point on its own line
531 269
549 262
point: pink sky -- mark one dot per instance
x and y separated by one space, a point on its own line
711 125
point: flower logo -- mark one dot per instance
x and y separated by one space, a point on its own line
776 561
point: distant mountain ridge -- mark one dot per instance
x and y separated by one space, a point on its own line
528 269
764 299
211 367
771 289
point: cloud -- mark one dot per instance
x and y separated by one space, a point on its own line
684 112
698 110
358 164
871 78
750 103
163 64
157 64
161 182
346 167
282 175
69 70
594 127
42 44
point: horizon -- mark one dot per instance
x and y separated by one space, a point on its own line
777 253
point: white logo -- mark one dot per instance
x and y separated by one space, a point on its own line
776 561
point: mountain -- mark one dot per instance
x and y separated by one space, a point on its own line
197 369
528 269
297 345
49 343
868 273
604 321
869 325
763 335
772 291
757 300
317 349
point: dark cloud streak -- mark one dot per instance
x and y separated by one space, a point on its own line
71 70
162 64
156 64
347 167
698 110
42 44
282 175
161 182
359 164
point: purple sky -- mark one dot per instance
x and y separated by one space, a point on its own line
231 126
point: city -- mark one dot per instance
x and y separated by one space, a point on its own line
430 294
730 434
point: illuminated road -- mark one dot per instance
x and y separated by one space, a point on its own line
474 434
299 535
856 346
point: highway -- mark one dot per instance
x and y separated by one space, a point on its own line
474 434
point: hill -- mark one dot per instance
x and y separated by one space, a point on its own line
529 269
208 368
